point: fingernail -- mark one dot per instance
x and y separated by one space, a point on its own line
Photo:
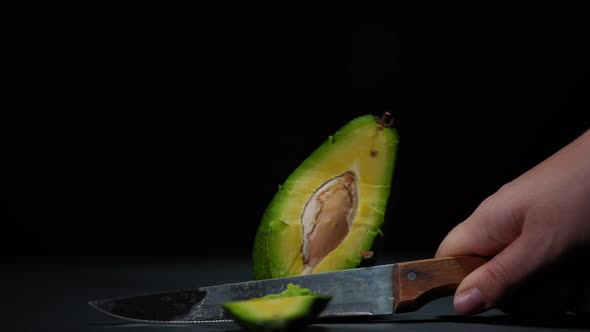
469 302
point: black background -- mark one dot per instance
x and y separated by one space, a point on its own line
164 128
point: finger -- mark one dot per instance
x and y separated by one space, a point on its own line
485 287
490 228
470 237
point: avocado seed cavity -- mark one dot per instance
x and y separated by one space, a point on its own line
327 218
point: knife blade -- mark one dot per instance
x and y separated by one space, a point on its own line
371 291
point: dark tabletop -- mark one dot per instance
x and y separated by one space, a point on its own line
52 294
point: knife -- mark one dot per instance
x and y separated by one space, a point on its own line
371 291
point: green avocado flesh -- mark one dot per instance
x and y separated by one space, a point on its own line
292 290
327 213
295 307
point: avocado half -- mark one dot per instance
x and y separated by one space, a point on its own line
289 310
327 213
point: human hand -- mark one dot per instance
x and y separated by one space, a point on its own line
536 229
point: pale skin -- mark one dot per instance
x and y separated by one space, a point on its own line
536 232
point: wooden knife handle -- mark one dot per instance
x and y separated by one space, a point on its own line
419 282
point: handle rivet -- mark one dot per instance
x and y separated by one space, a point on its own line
411 275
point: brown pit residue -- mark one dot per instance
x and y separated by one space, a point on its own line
327 218
366 254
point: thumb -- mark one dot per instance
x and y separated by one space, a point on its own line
485 287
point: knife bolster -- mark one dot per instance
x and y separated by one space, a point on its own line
419 282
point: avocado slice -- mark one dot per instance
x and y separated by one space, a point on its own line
291 309
327 213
